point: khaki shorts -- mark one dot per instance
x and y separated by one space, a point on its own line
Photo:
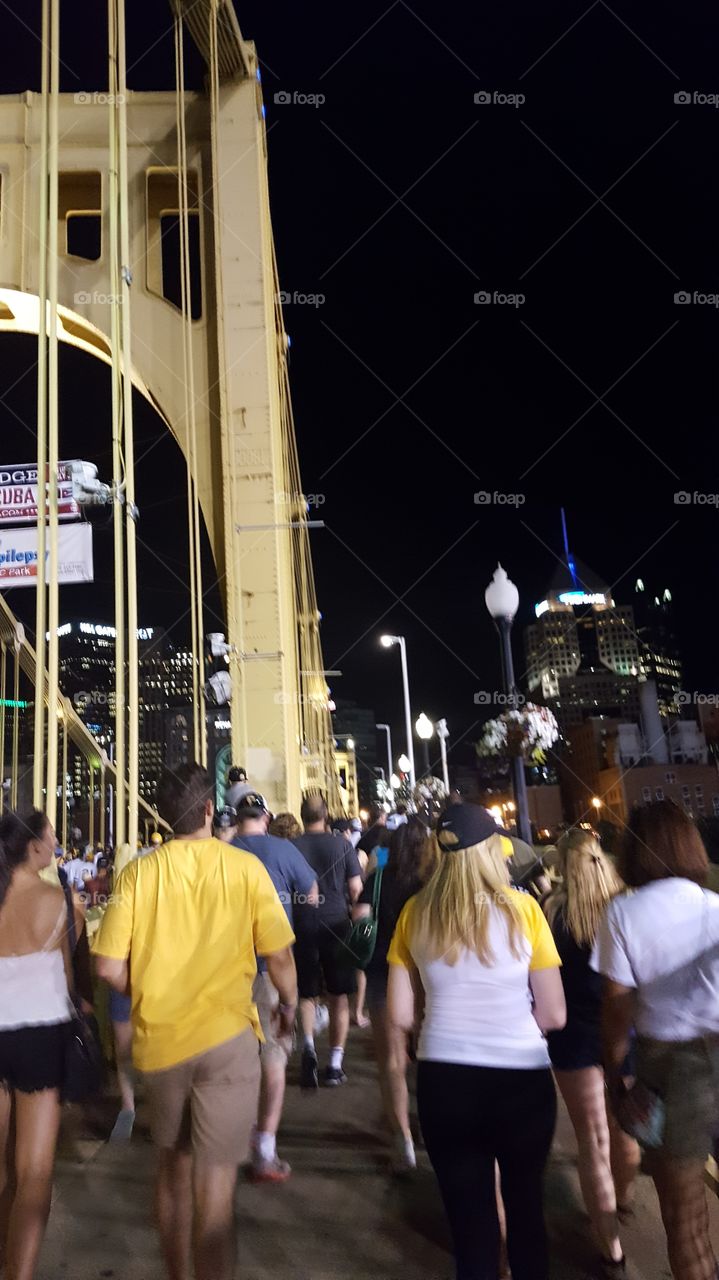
267 998
685 1074
209 1103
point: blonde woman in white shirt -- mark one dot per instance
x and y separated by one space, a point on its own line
478 958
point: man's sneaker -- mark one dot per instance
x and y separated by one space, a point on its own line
308 1070
322 1018
274 1170
334 1076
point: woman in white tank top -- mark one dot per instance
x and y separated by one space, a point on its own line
35 1012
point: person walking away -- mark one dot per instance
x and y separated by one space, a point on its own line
34 1018
295 882
358 1003
286 826
408 866
658 952
320 951
376 832
237 786
608 1158
224 824
482 957
187 922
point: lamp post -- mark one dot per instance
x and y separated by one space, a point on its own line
425 730
597 806
387 642
443 734
502 600
386 729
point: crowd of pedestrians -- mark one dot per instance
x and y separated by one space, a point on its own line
229 944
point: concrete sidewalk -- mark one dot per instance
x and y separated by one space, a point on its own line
341 1216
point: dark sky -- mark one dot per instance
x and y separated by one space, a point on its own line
398 199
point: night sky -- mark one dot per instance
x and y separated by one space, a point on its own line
399 199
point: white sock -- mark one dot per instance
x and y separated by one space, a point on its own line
266 1146
336 1057
310 1044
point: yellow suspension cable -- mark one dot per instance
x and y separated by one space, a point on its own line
233 577
40 600
53 424
133 755
193 495
120 761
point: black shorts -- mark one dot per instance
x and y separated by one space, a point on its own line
320 953
33 1058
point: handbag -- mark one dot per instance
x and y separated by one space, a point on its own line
362 937
83 1054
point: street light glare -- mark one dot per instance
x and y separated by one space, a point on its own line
403 763
386 641
424 727
350 744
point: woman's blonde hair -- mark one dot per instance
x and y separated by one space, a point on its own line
589 882
453 910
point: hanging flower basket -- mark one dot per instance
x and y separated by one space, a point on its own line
429 795
528 732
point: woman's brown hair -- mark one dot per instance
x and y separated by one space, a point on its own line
661 841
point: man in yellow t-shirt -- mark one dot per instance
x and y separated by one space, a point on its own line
180 935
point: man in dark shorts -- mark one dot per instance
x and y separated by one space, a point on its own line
320 937
296 885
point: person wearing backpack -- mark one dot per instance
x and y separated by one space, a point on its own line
408 866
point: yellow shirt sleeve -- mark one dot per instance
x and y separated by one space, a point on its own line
271 930
399 948
538 932
115 933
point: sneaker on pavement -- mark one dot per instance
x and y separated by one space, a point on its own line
122 1129
334 1076
274 1170
308 1070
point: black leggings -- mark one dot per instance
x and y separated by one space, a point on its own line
470 1117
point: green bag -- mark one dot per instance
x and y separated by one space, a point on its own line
362 937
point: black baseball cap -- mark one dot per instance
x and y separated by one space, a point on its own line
253 805
225 818
464 825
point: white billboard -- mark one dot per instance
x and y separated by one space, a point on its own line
18 494
18 556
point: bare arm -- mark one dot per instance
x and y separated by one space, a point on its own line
361 910
116 973
550 1009
313 897
354 884
400 998
283 975
617 1020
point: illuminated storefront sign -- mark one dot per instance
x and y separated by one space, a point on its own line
18 494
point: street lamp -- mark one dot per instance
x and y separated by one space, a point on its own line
350 744
387 642
404 763
443 734
395 782
502 601
425 730
597 805
386 729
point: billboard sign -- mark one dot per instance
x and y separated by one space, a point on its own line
18 556
18 494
